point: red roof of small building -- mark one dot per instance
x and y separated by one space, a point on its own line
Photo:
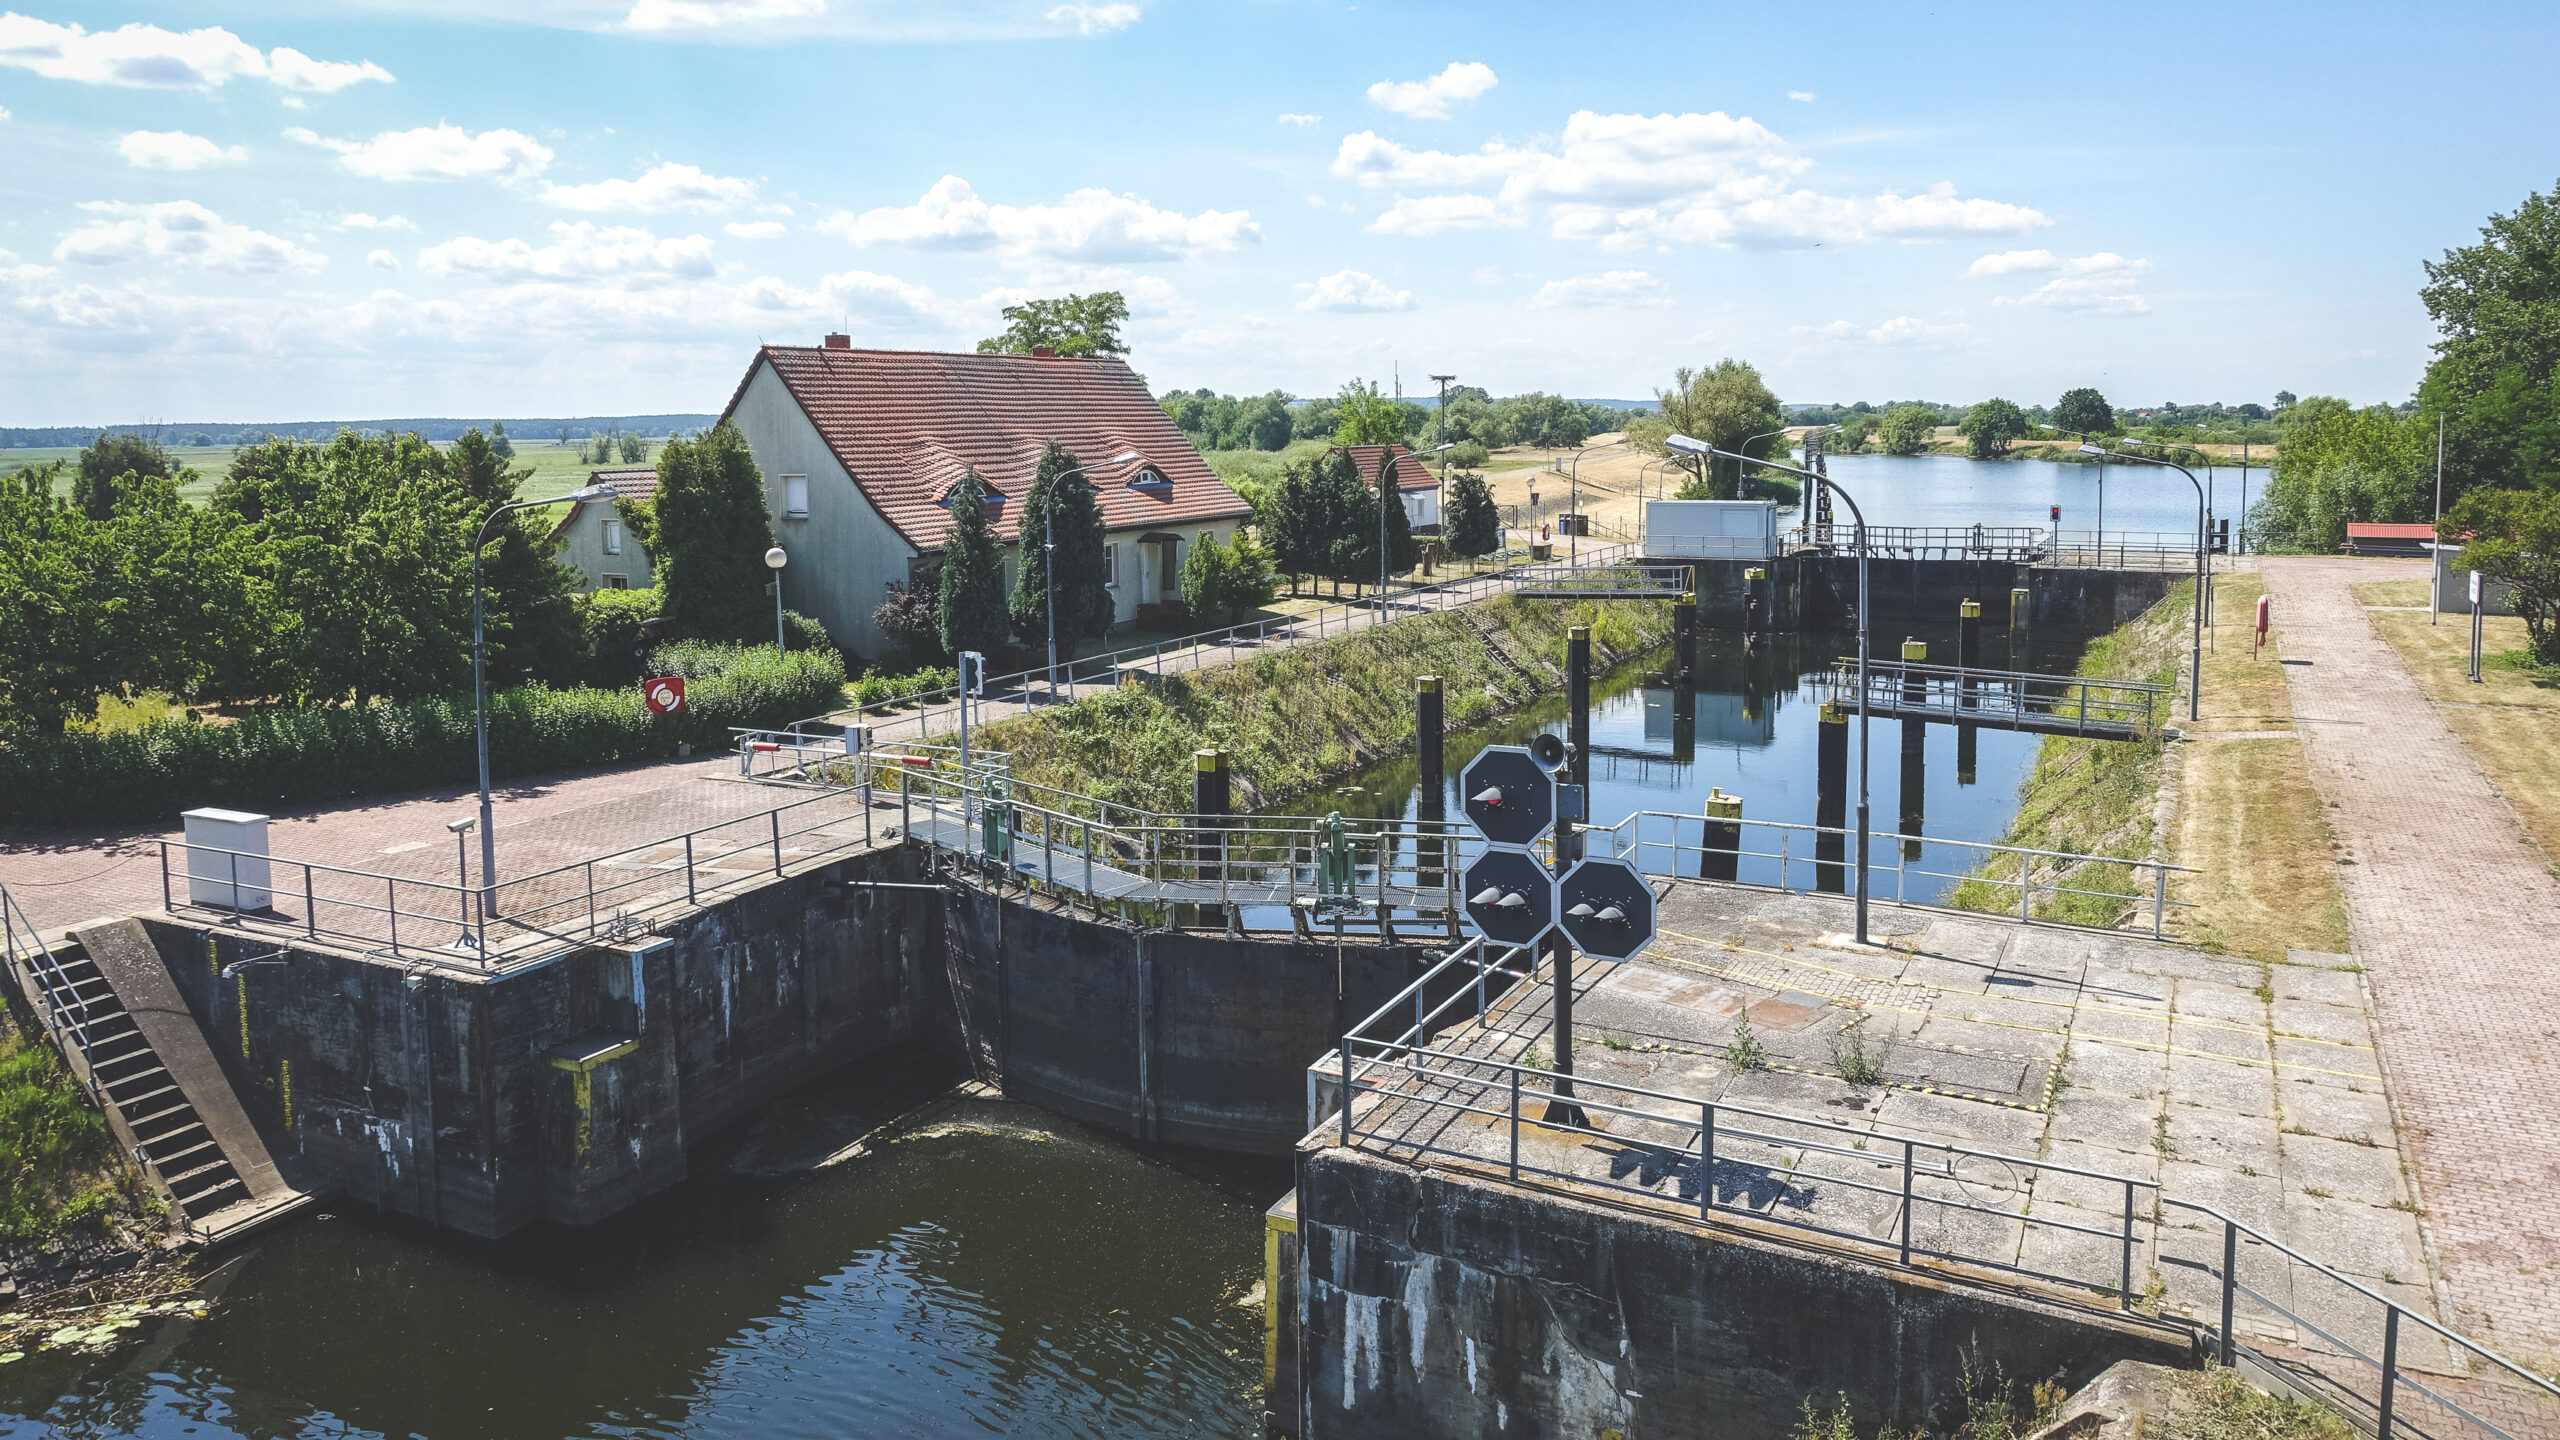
2369 530
632 482
906 424
1411 472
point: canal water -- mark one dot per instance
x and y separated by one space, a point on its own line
992 1271
1949 490
1747 727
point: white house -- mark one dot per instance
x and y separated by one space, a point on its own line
600 546
861 449
1415 484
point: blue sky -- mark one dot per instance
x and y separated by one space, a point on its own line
440 207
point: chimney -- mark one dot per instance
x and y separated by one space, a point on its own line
838 340
1044 352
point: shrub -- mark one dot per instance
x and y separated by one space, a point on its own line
1468 455
313 754
53 1142
609 628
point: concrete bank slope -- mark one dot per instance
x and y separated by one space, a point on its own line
1440 1305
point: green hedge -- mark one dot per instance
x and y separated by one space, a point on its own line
306 756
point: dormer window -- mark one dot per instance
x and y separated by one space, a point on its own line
1149 478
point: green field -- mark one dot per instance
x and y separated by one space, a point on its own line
557 470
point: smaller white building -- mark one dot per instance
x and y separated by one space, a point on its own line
1711 529
600 546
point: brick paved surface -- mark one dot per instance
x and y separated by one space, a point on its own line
2457 916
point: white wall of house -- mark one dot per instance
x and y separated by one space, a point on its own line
603 549
843 555
1422 507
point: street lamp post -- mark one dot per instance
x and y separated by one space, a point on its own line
1745 449
2195 689
774 560
480 679
1573 481
1707 452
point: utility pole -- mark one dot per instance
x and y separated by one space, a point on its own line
1440 437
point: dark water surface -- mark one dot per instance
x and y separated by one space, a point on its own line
996 1272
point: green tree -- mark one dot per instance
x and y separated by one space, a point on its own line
1061 507
1726 405
1474 524
1324 520
2515 537
1991 426
1852 434
2083 411
498 441
1362 416
1395 523
973 613
2339 465
533 628
1204 580
1250 581
105 463
1905 429
712 532
58 568
1076 326
631 448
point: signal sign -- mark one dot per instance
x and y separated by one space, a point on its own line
1509 796
1607 908
1510 897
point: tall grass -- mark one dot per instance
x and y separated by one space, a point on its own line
1297 718
57 1158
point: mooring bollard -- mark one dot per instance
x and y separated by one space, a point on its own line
1755 604
1831 800
1723 842
1969 649
1427 726
1210 793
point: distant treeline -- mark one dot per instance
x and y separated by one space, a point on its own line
181 434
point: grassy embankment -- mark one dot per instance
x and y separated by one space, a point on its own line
2510 722
58 1165
2247 819
1294 719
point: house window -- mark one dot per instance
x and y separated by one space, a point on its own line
795 497
617 582
613 537
1111 567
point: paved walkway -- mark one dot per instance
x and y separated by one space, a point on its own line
2457 917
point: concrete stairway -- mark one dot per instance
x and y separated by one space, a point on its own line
130 1035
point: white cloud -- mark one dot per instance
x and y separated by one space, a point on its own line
4 112
1613 289
184 231
383 260
756 229
1486 274
1430 99
1633 181
172 150
579 251
2105 283
2010 261
1290 117
146 57
1802 97
441 152
1906 329
1091 19
1430 214
663 191
1353 290
358 220
716 14
1088 225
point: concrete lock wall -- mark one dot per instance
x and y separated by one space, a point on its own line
567 1090
1181 1037
1822 590
1435 1306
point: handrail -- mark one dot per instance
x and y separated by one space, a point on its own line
1468 1084
1498 580
51 1013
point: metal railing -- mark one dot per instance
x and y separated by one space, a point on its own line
1868 1190
1192 651
1604 582
2000 698
2012 544
1821 859
33 968
2129 550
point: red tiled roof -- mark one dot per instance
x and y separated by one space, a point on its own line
634 482
1411 472
2369 530
905 424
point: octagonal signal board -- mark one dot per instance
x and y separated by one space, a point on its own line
1510 800
1510 897
1606 908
